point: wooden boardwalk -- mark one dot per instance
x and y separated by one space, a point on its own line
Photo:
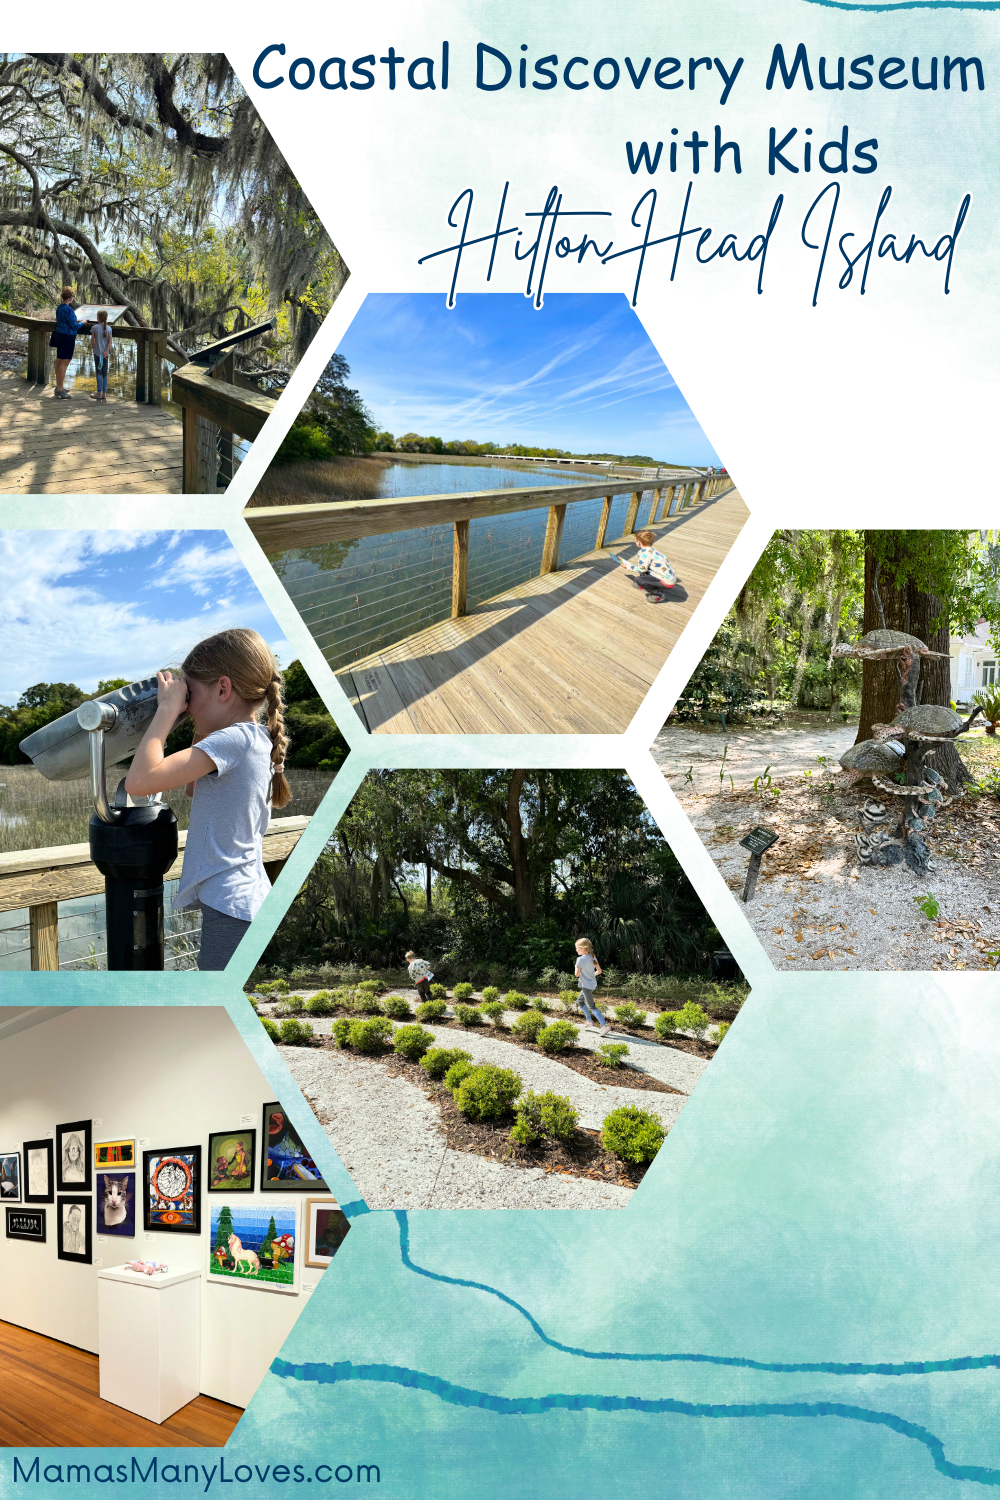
571 652
84 447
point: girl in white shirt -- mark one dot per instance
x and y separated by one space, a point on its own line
100 343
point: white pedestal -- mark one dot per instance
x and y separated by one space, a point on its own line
149 1340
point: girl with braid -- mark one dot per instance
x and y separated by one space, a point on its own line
234 773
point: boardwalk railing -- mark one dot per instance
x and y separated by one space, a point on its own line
219 406
40 878
151 348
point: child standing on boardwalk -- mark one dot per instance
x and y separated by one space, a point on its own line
67 328
587 970
100 343
651 572
420 972
234 774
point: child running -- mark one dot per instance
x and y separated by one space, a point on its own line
587 970
651 572
234 774
420 972
100 343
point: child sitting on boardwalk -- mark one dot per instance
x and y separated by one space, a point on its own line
651 572
100 343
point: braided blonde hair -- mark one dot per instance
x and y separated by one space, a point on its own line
248 661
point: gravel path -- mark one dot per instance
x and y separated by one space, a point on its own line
388 1136
679 748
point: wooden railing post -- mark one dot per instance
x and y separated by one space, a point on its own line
633 511
553 536
190 470
657 497
141 355
155 371
602 525
668 501
460 570
43 924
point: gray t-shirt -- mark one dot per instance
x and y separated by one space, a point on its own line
586 972
230 811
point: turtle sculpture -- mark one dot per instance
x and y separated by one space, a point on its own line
905 746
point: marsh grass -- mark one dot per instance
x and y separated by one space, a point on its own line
317 483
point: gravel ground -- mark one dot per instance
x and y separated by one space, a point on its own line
680 748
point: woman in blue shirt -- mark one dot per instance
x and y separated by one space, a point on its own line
67 329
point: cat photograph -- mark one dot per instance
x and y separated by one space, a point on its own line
116 1203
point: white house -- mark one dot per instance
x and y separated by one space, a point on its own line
973 663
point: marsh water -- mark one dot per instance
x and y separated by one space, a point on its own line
361 596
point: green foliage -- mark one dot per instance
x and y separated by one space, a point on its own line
514 1000
438 1060
303 442
631 1134
341 1031
568 999
439 992
988 699
463 991
324 1003
557 1036
412 1042
468 1015
459 1069
487 1092
365 1002
529 1024
432 1010
629 1015
540 1003
691 1017
540 1115
293 1005
491 994
295 1033
719 1032
270 1027
611 1054
667 1023
929 905
398 1007
493 1009
372 1036
274 987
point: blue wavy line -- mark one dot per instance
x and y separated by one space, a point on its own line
805 1367
459 1395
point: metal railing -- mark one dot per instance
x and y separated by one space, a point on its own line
151 348
39 879
220 406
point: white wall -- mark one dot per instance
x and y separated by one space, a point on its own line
172 1074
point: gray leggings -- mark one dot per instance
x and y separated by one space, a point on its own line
220 936
586 1000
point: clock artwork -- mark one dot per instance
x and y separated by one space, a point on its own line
171 1180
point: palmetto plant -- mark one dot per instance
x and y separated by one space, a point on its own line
988 699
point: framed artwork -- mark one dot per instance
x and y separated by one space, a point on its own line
285 1164
325 1229
74 1229
232 1161
73 1157
39 1172
115 1204
255 1244
119 1154
26 1224
171 1190
10 1176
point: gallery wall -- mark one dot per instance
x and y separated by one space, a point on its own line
170 1075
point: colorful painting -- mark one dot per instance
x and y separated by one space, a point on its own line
255 1244
39 1172
73 1157
10 1176
26 1224
115 1204
232 1161
326 1227
74 1228
172 1189
285 1164
114 1154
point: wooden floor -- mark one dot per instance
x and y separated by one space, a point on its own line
574 652
49 1399
84 447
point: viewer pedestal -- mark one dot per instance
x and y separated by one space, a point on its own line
150 1340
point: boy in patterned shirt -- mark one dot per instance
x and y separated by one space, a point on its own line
420 972
651 572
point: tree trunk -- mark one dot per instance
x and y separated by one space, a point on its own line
524 888
880 679
429 890
806 615
935 679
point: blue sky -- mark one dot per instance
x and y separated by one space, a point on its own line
580 374
77 606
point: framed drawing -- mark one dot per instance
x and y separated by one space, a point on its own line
26 1224
115 1204
74 1229
119 1154
39 1172
10 1176
232 1161
171 1190
73 1157
324 1230
285 1164
255 1244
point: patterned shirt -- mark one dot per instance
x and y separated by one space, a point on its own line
420 969
651 561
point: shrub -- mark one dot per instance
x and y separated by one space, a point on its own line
373 986
463 991
457 1071
719 1032
568 999
341 1031
528 1025
293 1005
468 1015
438 1060
322 1004
514 1000
667 1022
632 1134
629 1015
253 1003
491 994
270 1028
610 1054
366 1002
691 1017
371 1036
432 1010
488 1092
525 1130
539 1115
557 1036
398 1007
439 992
295 1033
412 1042
493 1009
274 987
